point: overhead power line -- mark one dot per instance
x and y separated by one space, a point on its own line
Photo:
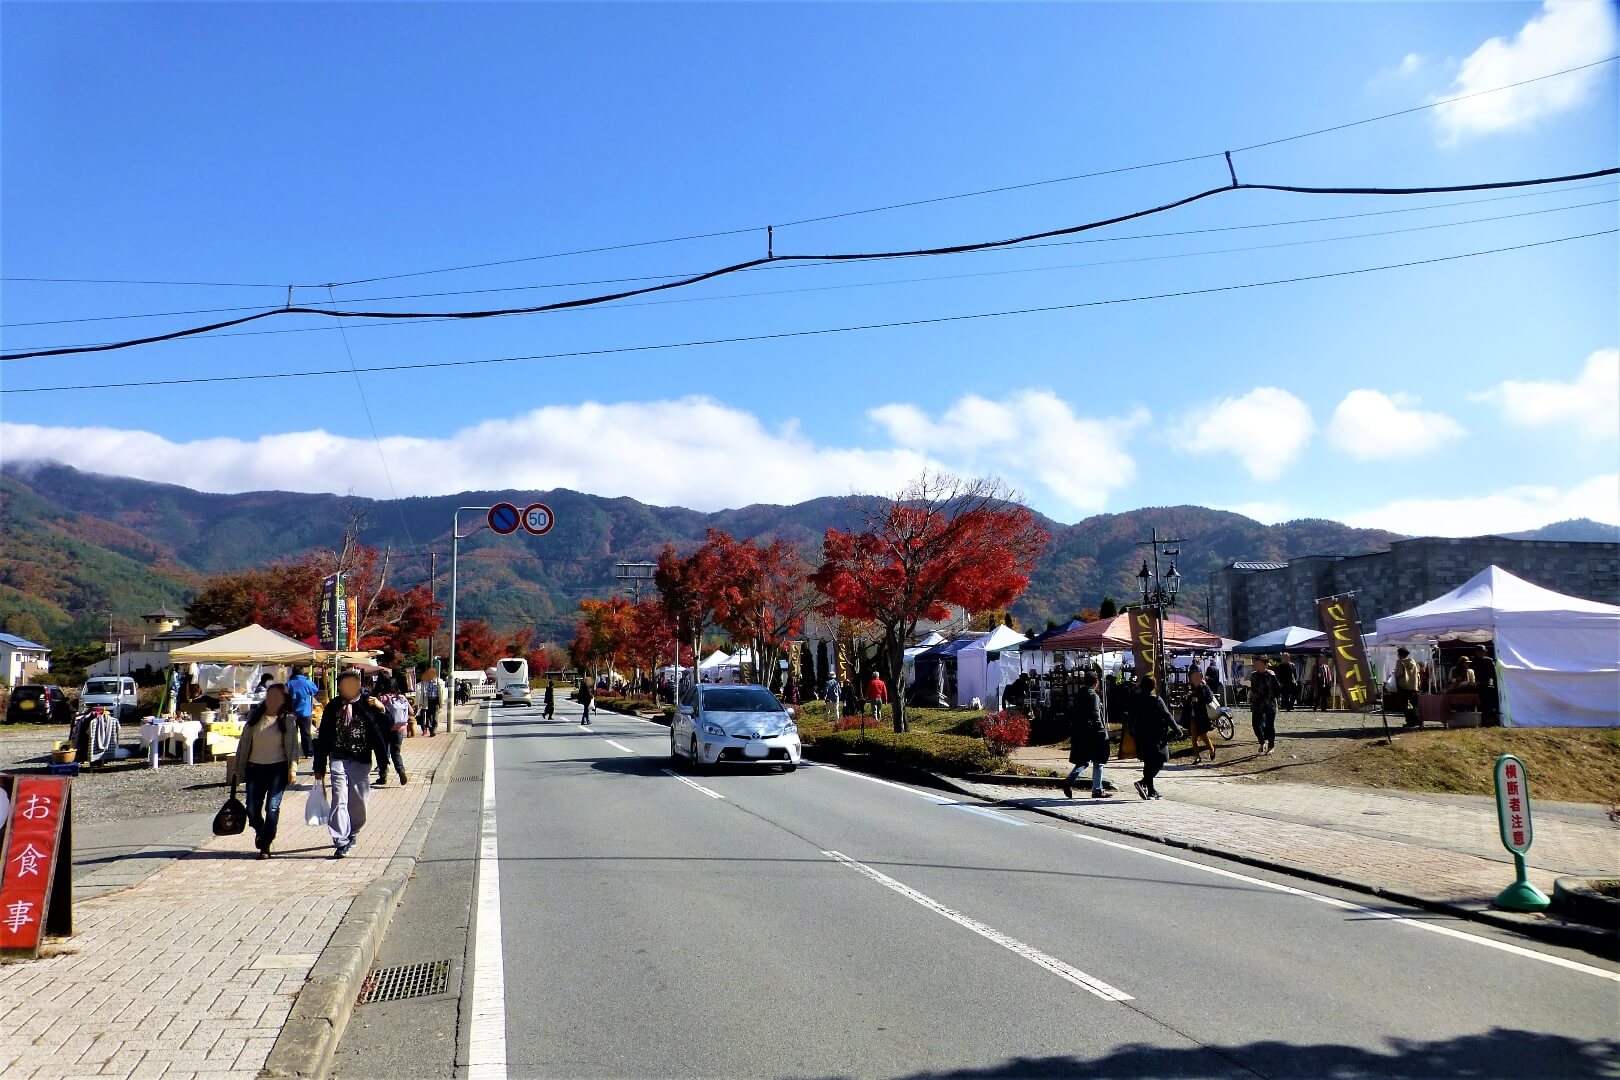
749 264
577 354
1211 155
811 266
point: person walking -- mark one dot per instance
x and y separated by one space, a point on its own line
877 692
266 755
1322 685
1088 738
430 691
1289 679
1407 679
1212 676
1197 709
1265 691
833 694
587 698
302 693
398 708
550 701
1153 727
350 737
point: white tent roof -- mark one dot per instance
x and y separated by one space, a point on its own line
250 645
1559 656
1491 599
934 638
1002 637
718 658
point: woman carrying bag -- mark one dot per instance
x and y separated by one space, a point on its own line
267 754
1154 727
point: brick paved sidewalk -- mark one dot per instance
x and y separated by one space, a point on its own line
192 972
1439 852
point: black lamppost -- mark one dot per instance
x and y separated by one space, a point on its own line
1159 594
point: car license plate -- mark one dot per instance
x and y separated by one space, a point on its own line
25 704
755 750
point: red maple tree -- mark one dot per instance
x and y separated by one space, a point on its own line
942 542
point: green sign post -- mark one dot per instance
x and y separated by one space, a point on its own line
1513 817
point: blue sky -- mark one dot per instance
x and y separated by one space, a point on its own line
313 143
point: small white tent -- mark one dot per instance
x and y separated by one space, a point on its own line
1559 655
979 676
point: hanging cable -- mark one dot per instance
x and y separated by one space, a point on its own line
953 249
375 438
783 335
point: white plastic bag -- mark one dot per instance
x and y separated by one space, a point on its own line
315 811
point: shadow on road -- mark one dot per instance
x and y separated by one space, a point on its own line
1500 1052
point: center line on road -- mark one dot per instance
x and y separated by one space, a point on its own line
694 784
618 746
486 1053
1064 971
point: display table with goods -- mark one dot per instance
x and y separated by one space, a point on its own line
157 732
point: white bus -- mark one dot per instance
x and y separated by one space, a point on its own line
512 680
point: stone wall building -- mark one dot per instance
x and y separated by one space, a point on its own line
1250 598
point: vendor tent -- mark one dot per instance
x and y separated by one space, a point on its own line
253 644
1113 635
1559 656
987 664
1293 639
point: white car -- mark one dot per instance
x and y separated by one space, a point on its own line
734 725
118 694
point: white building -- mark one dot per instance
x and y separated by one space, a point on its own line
20 659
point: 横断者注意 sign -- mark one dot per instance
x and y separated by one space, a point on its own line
1513 804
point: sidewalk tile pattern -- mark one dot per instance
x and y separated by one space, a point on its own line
163 979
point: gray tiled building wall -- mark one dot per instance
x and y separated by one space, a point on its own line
1249 602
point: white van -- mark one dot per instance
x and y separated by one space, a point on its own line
118 694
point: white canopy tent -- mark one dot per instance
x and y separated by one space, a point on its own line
253 644
1559 656
979 676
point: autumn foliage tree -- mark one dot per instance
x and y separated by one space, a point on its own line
477 646
942 542
602 634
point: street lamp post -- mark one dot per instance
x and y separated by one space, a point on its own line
1159 593
455 549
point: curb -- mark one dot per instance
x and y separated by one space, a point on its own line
309 1038
1589 939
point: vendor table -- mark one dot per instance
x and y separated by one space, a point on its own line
155 733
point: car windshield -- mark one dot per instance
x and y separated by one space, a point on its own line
740 699
101 686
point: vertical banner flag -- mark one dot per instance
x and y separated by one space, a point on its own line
351 623
333 618
1142 644
1343 628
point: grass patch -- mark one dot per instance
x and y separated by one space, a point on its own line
936 752
1565 764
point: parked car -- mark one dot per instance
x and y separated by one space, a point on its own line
734 725
118 694
39 705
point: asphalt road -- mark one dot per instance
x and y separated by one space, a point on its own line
826 924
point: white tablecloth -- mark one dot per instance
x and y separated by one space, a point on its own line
153 735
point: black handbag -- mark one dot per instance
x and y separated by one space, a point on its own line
232 817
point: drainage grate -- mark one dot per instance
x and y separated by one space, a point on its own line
407 981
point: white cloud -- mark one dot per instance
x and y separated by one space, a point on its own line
693 452
1265 429
1511 510
1030 437
1589 405
1564 34
1410 63
1370 425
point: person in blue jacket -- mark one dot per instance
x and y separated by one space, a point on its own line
301 692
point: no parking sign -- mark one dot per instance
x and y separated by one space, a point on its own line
503 518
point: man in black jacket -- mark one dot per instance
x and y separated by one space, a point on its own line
351 735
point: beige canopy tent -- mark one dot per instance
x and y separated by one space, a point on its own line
253 644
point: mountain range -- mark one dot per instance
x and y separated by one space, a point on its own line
78 547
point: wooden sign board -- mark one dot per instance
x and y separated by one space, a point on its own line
36 877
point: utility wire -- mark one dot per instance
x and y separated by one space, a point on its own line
952 249
811 266
435 365
851 213
375 438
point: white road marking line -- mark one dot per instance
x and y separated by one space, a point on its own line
1057 967
618 746
486 1054
994 815
887 783
1347 905
694 784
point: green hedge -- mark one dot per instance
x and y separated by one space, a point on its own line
951 754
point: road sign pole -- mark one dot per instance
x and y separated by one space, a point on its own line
455 549
1517 828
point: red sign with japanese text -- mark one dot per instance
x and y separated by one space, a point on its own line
38 810
1513 804
1343 628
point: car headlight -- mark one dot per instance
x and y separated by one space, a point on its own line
714 729
788 728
